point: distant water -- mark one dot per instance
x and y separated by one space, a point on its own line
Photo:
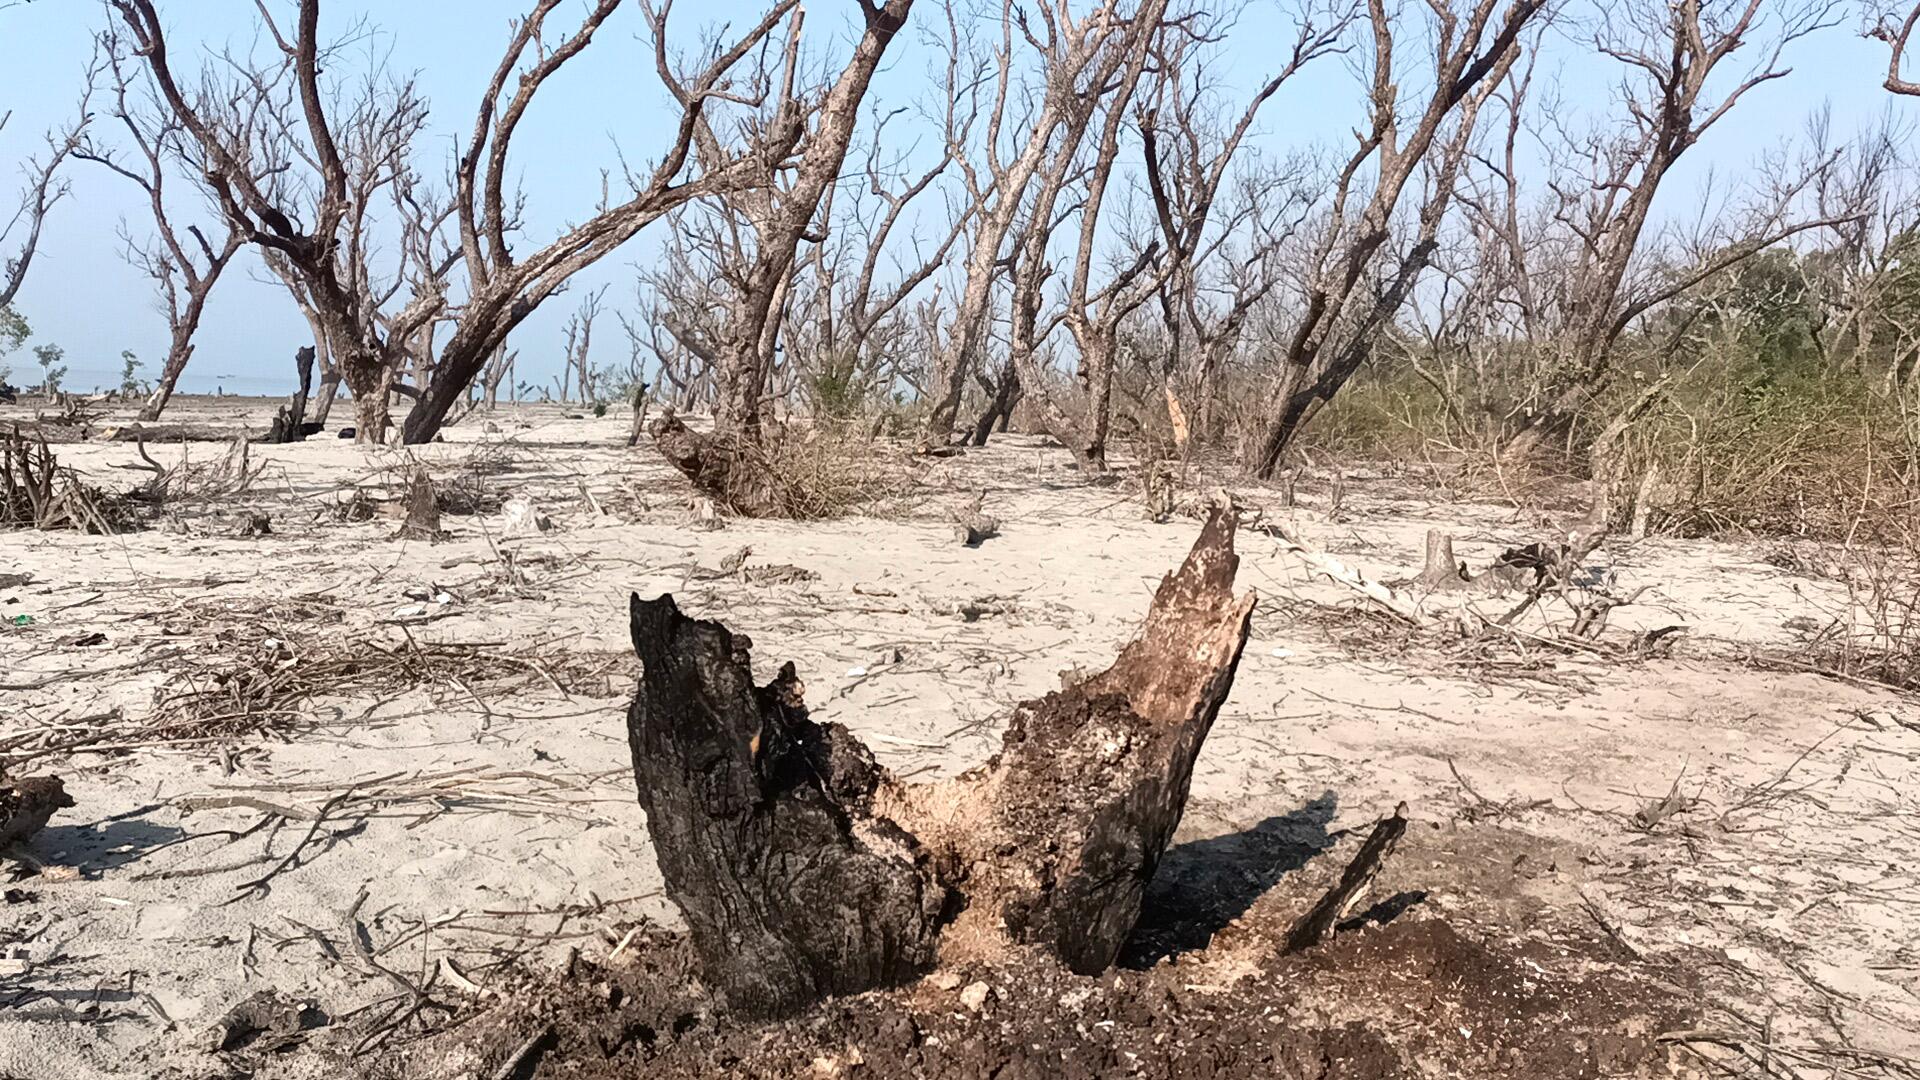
86 380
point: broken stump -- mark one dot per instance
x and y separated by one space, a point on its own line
26 805
723 469
805 869
422 508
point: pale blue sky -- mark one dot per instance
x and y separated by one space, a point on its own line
82 295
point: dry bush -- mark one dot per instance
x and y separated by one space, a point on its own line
189 481
1807 456
466 493
468 489
831 470
278 679
37 492
1875 632
491 457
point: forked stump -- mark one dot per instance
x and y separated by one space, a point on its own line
1443 570
805 869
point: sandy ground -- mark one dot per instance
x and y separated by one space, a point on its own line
481 807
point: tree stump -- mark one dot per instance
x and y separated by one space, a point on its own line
805 869
793 888
720 468
27 803
972 526
290 420
1443 570
422 510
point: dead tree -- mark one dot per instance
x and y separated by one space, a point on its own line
778 212
1229 249
294 123
848 329
1093 311
503 288
579 334
1003 394
499 370
183 264
254 130
1860 277
804 869
680 307
1079 61
1669 53
42 191
1896 31
1092 317
1334 335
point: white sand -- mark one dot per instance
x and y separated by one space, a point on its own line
505 818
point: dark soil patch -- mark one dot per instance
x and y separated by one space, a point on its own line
1407 990
1414 998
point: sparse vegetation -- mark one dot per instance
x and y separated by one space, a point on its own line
1522 496
51 369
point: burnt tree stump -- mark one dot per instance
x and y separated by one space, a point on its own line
290 420
27 803
763 823
805 869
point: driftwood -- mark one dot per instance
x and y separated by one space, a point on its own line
185 479
171 433
972 527
1348 576
27 803
804 869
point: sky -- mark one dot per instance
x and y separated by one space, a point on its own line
82 295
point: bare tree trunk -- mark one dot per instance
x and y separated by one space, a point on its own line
499 369
1006 394
329 390
1473 62
290 424
804 869
179 351
371 381
780 217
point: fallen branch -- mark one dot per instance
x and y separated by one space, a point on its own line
1318 923
1350 577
